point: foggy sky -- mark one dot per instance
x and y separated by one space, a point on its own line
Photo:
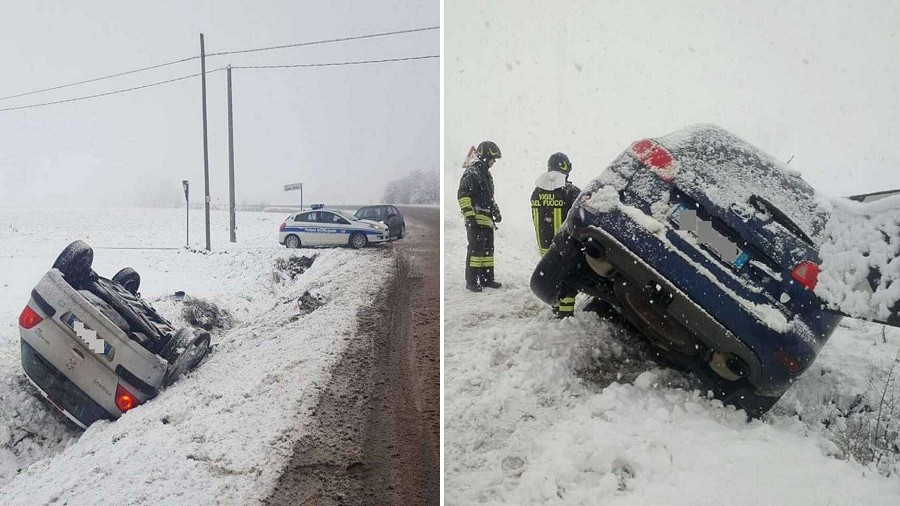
342 131
816 80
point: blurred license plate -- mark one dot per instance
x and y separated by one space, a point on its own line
722 246
107 349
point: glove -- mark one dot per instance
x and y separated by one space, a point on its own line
495 213
470 222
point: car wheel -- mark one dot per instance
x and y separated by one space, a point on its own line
195 348
75 261
402 231
652 321
555 267
358 240
292 242
129 279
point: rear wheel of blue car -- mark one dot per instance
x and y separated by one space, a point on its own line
292 242
358 240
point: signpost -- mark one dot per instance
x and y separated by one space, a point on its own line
187 215
295 186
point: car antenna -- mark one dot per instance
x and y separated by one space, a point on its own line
789 160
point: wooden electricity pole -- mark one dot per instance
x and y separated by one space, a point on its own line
230 159
205 143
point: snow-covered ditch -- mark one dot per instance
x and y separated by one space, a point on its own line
540 411
222 433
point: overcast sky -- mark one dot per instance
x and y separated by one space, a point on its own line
343 131
815 80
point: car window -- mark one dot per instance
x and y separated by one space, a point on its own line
394 210
334 219
305 217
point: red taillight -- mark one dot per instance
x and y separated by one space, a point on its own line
806 273
656 157
124 399
787 361
28 319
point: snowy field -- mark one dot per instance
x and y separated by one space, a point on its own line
220 434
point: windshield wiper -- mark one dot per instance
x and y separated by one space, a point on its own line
782 219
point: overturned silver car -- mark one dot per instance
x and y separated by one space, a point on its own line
93 347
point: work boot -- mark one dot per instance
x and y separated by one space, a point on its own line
493 284
473 288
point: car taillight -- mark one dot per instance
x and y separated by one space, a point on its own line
124 399
787 361
655 157
283 225
806 273
29 318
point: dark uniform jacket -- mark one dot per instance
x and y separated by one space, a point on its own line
476 195
550 203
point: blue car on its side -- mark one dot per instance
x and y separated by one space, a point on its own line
709 247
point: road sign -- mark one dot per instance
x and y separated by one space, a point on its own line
294 186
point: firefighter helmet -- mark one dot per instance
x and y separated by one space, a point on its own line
488 150
559 162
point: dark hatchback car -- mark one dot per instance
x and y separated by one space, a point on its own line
387 214
709 247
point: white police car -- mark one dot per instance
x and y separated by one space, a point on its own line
329 227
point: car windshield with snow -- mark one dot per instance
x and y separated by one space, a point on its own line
710 248
93 347
386 214
330 227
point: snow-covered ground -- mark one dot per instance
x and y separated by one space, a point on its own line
545 411
541 411
220 434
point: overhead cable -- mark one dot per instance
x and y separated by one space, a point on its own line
135 71
328 41
182 60
362 62
109 92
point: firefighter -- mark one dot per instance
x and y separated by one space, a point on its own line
476 201
550 203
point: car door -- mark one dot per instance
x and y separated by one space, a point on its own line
396 218
334 228
306 223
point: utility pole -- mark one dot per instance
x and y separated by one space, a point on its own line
230 158
205 143
187 215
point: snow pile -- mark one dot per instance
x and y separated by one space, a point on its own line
861 259
220 434
540 411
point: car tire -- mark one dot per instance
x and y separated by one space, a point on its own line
75 261
555 267
292 242
129 279
402 231
195 348
358 240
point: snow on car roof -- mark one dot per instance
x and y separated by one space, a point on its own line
728 169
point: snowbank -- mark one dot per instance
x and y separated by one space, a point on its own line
219 435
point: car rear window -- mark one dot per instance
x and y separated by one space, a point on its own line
728 170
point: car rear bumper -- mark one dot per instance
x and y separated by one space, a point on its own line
701 301
60 390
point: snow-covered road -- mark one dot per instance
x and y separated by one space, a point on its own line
221 434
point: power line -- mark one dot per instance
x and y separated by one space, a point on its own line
182 60
115 92
328 41
334 64
135 71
